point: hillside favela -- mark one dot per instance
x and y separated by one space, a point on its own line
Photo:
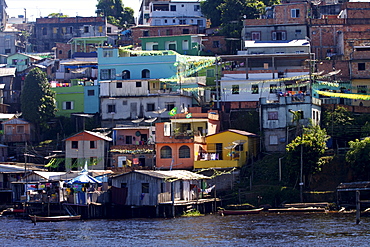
186 123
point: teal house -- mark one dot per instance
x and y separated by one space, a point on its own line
190 44
91 99
21 61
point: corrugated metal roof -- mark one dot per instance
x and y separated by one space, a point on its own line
174 174
97 134
7 72
4 168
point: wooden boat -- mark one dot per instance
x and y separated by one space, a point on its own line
297 210
240 211
36 218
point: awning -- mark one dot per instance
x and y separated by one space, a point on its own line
84 179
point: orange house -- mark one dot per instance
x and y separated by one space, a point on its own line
177 140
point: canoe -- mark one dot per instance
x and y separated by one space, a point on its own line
297 210
36 218
240 211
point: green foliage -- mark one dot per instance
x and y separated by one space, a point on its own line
339 124
57 15
210 10
191 213
37 100
312 144
115 12
359 158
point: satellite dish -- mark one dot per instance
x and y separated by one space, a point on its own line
138 120
151 120
229 147
160 111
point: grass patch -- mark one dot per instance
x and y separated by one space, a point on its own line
191 213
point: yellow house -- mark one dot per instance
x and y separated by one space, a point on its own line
230 148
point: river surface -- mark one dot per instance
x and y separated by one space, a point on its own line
209 230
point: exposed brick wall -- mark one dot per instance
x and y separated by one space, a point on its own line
155 31
69 20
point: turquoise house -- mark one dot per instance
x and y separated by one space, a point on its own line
21 61
91 99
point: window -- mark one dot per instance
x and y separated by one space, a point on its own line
165 21
70 29
126 75
145 188
170 106
362 89
185 31
7 51
111 108
172 7
86 29
166 152
138 84
255 89
294 13
169 31
279 35
145 73
106 74
184 152
123 185
128 139
273 88
361 66
150 107
14 61
68 105
44 31
9 130
216 44
298 31
109 29
20 129
124 102
100 29
185 45
196 7
90 92
107 53
273 140
74 144
273 115
210 73
235 89
55 30
256 35
119 85
146 33
182 21
92 144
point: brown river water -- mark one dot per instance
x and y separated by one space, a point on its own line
209 230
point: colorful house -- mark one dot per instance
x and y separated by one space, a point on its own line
133 147
87 146
230 148
178 140
69 98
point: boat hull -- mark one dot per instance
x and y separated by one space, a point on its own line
240 212
36 218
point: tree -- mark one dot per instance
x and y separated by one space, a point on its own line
115 12
211 11
359 158
37 100
311 144
57 15
339 124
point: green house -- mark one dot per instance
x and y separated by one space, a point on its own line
69 99
190 44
